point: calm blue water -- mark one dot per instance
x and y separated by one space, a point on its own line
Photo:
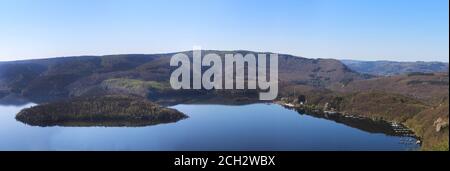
210 127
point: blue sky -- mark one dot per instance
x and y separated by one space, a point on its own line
401 30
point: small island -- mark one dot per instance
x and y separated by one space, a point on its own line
108 111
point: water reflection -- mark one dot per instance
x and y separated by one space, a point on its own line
209 127
365 124
13 100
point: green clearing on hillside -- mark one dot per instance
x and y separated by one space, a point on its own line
133 84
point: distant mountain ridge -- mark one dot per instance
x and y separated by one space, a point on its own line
76 76
387 68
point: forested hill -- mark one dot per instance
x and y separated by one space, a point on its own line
74 76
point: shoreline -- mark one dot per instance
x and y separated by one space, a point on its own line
397 127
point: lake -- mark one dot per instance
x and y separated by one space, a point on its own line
210 127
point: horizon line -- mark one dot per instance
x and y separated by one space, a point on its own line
181 51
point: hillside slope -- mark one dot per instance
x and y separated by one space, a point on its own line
59 78
429 87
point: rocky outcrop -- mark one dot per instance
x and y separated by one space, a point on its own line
440 124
